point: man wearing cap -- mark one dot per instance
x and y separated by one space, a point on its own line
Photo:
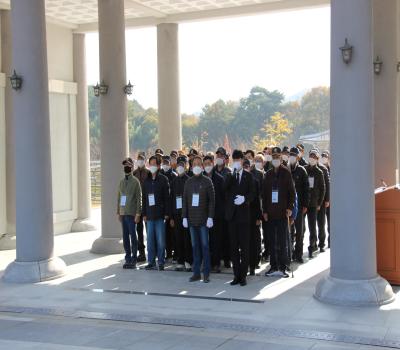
302 161
316 195
167 171
268 158
216 239
285 156
321 217
156 209
220 157
300 178
239 193
141 173
278 204
326 160
198 213
174 157
183 243
129 209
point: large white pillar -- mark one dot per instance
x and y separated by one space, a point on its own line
34 208
114 120
82 113
8 240
385 88
169 114
353 278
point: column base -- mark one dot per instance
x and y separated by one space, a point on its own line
373 292
7 241
34 271
82 225
104 245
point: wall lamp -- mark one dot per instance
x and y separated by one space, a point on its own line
16 81
378 65
347 52
128 89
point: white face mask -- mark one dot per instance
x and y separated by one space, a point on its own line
259 165
140 163
285 158
324 160
276 163
220 161
268 158
208 169
237 166
292 160
180 170
197 170
312 161
153 169
166 167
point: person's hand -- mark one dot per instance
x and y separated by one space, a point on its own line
145 218
258 222
288 213
239 200
185 223
119 217
172 223
304 210
319 208
265 215
291 221
210 223
137 218
327 204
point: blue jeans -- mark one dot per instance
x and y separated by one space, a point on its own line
201 251
155 241
129 238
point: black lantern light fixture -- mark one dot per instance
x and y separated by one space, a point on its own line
398 66
96 90
16 81
128 89
378 65
347 52
103 88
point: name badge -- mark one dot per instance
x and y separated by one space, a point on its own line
152 200
178 202
311 182
122 201
275 197
195 200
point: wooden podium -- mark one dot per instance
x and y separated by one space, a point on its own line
387 206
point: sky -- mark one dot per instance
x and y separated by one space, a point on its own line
285 51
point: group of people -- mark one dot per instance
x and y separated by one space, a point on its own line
204 210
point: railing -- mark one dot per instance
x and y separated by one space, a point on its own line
95 179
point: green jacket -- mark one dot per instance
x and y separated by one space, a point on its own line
132 203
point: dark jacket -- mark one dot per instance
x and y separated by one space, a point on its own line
224 172
327 181
303 162
268 166
170 174
240 213
280 180
141 174
300 178
255 205
198 215
317 193
259 176
218 183
160 188
177 187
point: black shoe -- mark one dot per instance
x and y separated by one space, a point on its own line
243 282
252 272
271 272
284 273
206 279
227 264
235 282
300 260
195 278
310 253
141 257
132 266
160 267
149 267
125 266
321 250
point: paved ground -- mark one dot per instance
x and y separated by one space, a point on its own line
99 305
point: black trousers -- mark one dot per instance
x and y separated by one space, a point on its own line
239 241
139 232
169 239
183 242
226 242
254 245
216 240
279 238
321 220
312 227
299 225
328 217
266 237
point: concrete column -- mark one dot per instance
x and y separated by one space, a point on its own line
385 88
353 278
114 120
8 240
169 113
82 112
34 208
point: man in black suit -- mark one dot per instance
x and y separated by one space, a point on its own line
239 193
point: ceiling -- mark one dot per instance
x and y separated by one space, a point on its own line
83 13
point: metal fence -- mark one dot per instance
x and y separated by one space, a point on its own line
95 179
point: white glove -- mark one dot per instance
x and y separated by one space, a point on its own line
185 223
210 223
239 200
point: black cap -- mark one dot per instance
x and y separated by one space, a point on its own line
182 159
174 154
276 150
193 152
300 146
294 151
325 154
237 154
166 158
159 151
141 155
285 149
128 162
221 150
